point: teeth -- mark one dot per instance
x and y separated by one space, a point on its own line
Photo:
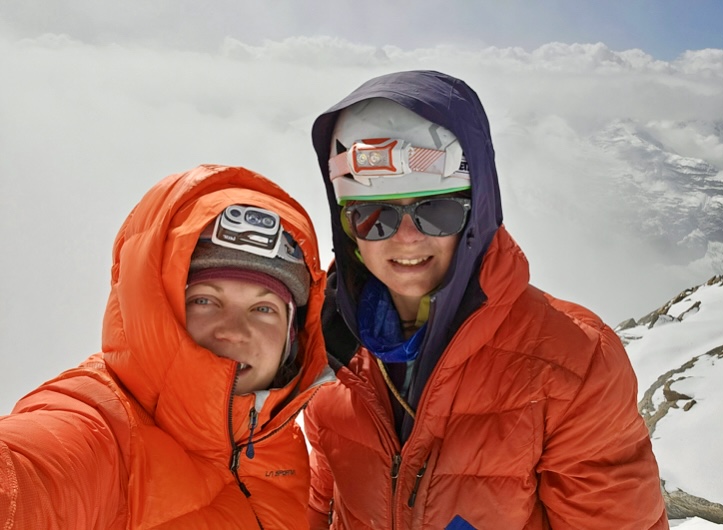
415 261
241 366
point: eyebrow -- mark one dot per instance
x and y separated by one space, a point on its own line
207 284
263 291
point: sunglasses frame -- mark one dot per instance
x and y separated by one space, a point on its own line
348 211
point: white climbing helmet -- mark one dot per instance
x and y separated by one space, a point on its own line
382 150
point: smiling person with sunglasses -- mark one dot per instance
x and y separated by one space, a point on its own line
408 244
466 397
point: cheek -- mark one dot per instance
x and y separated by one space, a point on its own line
270 330
363 247
447 247
195 327
271 345
278 335
370 251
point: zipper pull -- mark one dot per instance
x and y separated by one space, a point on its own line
233 466
235 458
331 511
413 495
253 419
396 463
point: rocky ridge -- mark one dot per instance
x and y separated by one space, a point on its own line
682 342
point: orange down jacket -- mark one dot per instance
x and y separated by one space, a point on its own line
529 421
146 434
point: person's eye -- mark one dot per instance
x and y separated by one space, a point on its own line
265 309
198 300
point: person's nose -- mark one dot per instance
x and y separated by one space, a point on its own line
232 326
407 231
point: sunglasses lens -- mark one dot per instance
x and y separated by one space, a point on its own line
435 217
373 222
440 217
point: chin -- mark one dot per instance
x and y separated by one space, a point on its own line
413 292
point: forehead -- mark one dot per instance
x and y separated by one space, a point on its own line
234 287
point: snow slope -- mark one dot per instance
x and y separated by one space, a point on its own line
677 354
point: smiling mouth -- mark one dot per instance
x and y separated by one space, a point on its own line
410 262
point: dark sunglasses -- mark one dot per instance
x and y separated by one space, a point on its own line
374 221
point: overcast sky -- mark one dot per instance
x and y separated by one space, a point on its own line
99 100
662 28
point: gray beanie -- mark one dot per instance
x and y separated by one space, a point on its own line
295 276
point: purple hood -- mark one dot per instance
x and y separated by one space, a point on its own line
452 104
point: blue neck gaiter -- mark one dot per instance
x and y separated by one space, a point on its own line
379 327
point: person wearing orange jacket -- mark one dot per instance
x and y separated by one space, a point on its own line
466 398
211 347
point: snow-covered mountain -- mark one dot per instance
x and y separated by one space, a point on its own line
677 354
674 202
635 201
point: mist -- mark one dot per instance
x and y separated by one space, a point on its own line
86 129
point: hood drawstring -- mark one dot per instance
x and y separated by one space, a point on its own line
403 402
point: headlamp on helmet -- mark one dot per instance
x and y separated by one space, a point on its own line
385 157
382 150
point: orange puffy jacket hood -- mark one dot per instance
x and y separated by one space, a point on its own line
147 434
182 386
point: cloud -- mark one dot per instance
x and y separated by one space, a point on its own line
87 128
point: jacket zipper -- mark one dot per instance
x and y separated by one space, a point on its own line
235 449
417 481
396 464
